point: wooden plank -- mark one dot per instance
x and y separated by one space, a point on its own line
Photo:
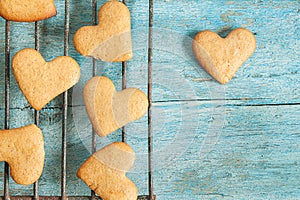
271 75
256 154
256 157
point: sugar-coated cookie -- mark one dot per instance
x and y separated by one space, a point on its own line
222 57
23 149
108 109
110 40
105 172
27 10
41 81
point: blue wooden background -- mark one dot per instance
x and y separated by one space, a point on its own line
238 141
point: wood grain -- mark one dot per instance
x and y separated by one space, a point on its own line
239 141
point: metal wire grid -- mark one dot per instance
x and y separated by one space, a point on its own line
64 196
36 113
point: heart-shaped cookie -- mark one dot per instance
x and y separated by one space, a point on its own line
27 10
110 40
23 149
108 109
222 57
41 81
105 172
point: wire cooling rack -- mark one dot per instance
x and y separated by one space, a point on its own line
64 106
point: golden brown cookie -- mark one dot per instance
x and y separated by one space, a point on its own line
222 57
23 149
105 172
27 10
41 81
110 40
108 109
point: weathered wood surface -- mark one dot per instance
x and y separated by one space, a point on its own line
239 141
